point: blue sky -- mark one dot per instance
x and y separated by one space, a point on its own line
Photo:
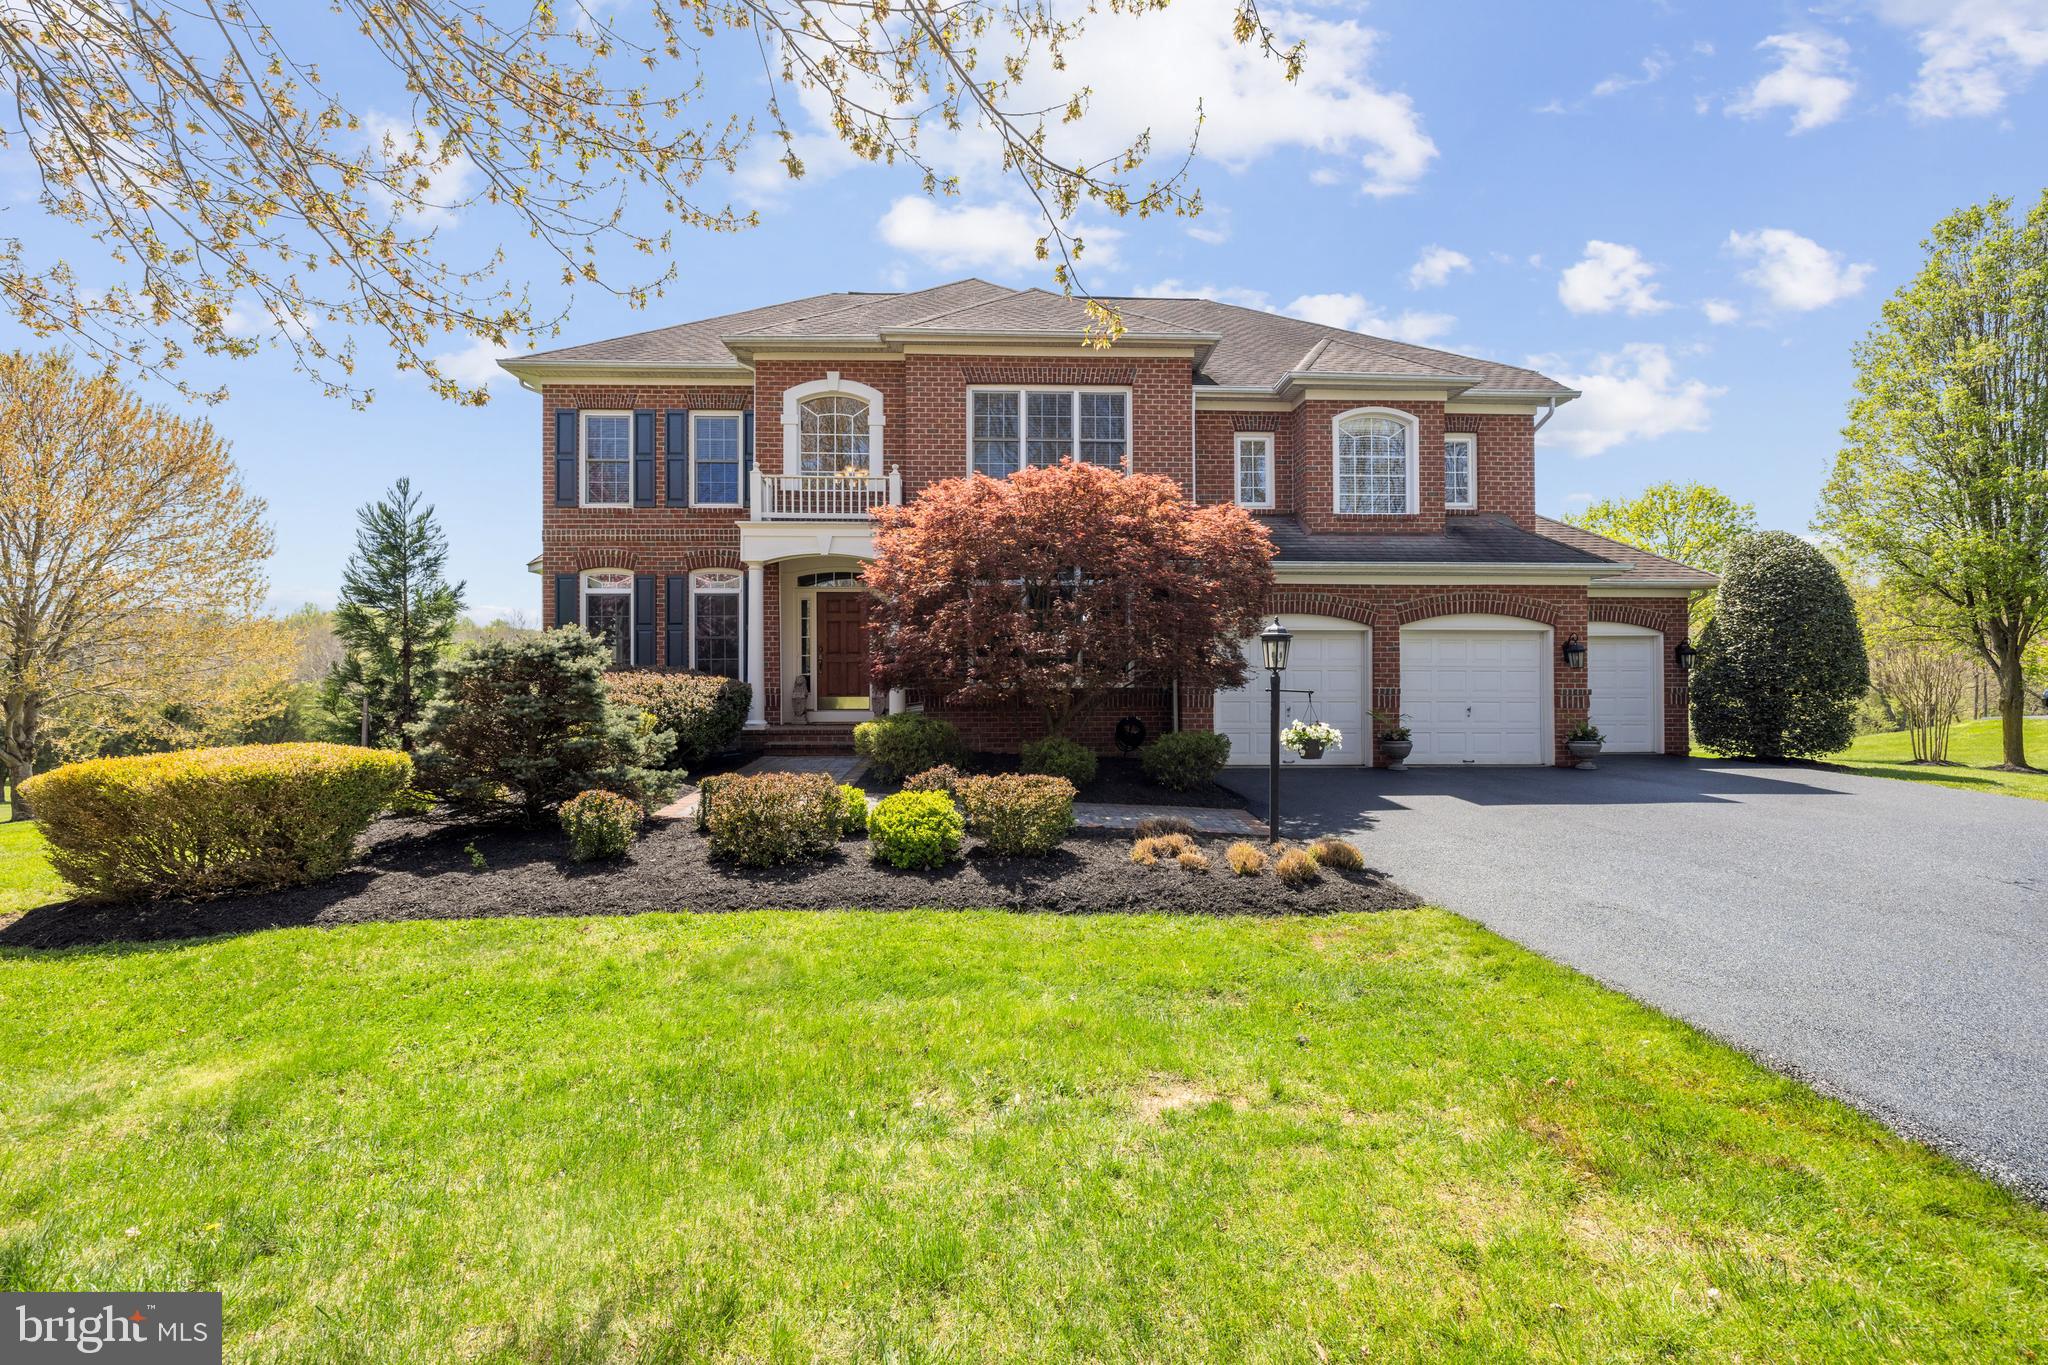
1691 211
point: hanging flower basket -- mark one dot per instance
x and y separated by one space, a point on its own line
1311 738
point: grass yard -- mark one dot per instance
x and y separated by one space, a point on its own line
963 1136
1975 744
26 880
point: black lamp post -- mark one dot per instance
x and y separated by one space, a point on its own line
1685 654
1574 653
1273 642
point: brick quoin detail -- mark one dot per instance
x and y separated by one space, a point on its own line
1671 617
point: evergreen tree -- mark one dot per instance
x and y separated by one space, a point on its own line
396 618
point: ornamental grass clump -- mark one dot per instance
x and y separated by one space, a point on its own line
1148 852
1019 814
1336 854
203 822
1153 826
1246 859
600 825
772 819
1193 860
1296 869
913 830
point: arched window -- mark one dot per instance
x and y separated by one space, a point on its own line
1374 456
832 435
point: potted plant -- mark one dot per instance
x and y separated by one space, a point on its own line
1310 738
1584 744
1395 741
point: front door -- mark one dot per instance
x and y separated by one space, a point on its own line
843 651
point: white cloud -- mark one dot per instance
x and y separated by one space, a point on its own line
1973 53
1720 312
1610 276
475 364
1222 293
1632 395
995 237
1210 236
1796 273
447 178
1354 313
1436 265
1653 67
1810 80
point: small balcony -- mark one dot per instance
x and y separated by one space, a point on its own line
823 497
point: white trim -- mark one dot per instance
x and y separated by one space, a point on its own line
1308 621
1322 571
1237 443
1619 628
739 418
583 456
1471 470
831 385
754 649
1023 418
1623 630
1546 727
1412 499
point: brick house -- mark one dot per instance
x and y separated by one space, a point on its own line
706 489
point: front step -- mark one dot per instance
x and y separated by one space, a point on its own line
798 739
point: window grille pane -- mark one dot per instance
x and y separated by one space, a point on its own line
716 446
607 459
1372 467
1253 472
996 437
1049 427
610 614
717 633
832 435
1104 431
1458 471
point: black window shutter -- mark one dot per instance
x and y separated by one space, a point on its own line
747 453
678 447
643 458
643 620
565 457
678 655
566 612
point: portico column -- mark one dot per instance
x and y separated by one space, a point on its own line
757 646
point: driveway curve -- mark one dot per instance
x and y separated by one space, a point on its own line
1885 941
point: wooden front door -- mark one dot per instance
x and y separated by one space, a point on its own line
843 649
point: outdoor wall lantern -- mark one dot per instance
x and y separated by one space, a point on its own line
1574 653
1273 643
1685 654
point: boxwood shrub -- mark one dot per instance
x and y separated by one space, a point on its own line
1057 757
1019 813
769 819
1185 758
853 812
702 710
914 829
600 824
898 746
207 821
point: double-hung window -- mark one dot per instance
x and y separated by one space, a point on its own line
1372 464
715 622
1011 429
608 611
715 459
1461 457
1254 469
607 459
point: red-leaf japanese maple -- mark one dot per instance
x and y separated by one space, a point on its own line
1056 587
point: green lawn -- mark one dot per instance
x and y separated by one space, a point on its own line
25 877
962 1136
1975 744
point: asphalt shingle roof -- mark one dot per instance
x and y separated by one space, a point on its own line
1464 540
1644 568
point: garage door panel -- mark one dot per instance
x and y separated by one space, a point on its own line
1624 675
1330 663
1474 696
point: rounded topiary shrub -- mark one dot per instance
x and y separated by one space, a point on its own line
769 819
704 711
853 812
600 824
207 821
897 746
1019 813
1058 757
914 829
1781 666
944 778
1184 759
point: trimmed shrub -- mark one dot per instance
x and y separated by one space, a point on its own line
1246 859
898 746
1194 860
1019 813
411 800
1148 851
201 822
1337 854
943 778
770 819
1057 757
853 812
1296 868
600 824
1185 758
914 829
1156 825
523 725
704 711
705 788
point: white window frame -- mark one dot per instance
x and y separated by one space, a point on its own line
1238 443
832 383
737 591
583 595
1411 499
1471 441
1074 392
739 420
583 457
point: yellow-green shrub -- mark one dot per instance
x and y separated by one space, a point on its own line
206 821
600 824
853 812
914 829
1019 813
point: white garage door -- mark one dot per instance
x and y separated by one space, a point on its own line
1330 662
1622 668
1475 696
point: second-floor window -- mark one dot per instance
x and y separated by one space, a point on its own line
715 459
1460 458
832 435
1254 469
607 459
1009 429
1372 463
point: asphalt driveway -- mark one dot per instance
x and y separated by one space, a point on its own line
1886 941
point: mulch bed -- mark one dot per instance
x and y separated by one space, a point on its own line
421 869
1118 782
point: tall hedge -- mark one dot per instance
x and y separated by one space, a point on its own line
704 712
1782 664
523 725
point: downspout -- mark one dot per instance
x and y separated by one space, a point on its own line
1176 704
1552 412
1194 486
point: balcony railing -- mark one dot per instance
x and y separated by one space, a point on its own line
823 497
